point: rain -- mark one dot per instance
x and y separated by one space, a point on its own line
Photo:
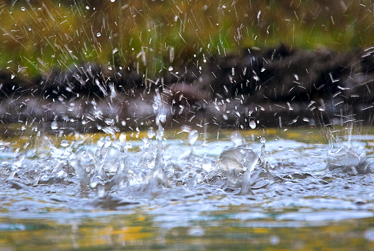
186 124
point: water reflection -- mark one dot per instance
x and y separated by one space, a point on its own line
229 228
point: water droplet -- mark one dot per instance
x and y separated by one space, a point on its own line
64 143
115 50
23 8
61 174
151 134
192 137
54 125
170 68
252 124
263 140
100 143
161 118
236 138
101 191
122 137
12 76
128 145
155 106
98 34
112 1
109 121
107 142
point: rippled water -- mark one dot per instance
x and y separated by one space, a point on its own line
191 180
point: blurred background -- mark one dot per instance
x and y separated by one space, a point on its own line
152 35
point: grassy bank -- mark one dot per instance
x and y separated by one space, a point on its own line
153 35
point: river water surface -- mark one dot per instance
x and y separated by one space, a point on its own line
257 189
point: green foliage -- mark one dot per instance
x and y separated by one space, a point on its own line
150 35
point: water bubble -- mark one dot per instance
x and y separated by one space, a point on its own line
192 137
54 125
252 124
263 140
98 34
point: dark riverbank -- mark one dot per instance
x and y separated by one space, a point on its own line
277 87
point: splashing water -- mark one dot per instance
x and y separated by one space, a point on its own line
115 172
283 178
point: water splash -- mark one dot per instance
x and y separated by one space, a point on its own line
120 168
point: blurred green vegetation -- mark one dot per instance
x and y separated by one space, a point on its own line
151 35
